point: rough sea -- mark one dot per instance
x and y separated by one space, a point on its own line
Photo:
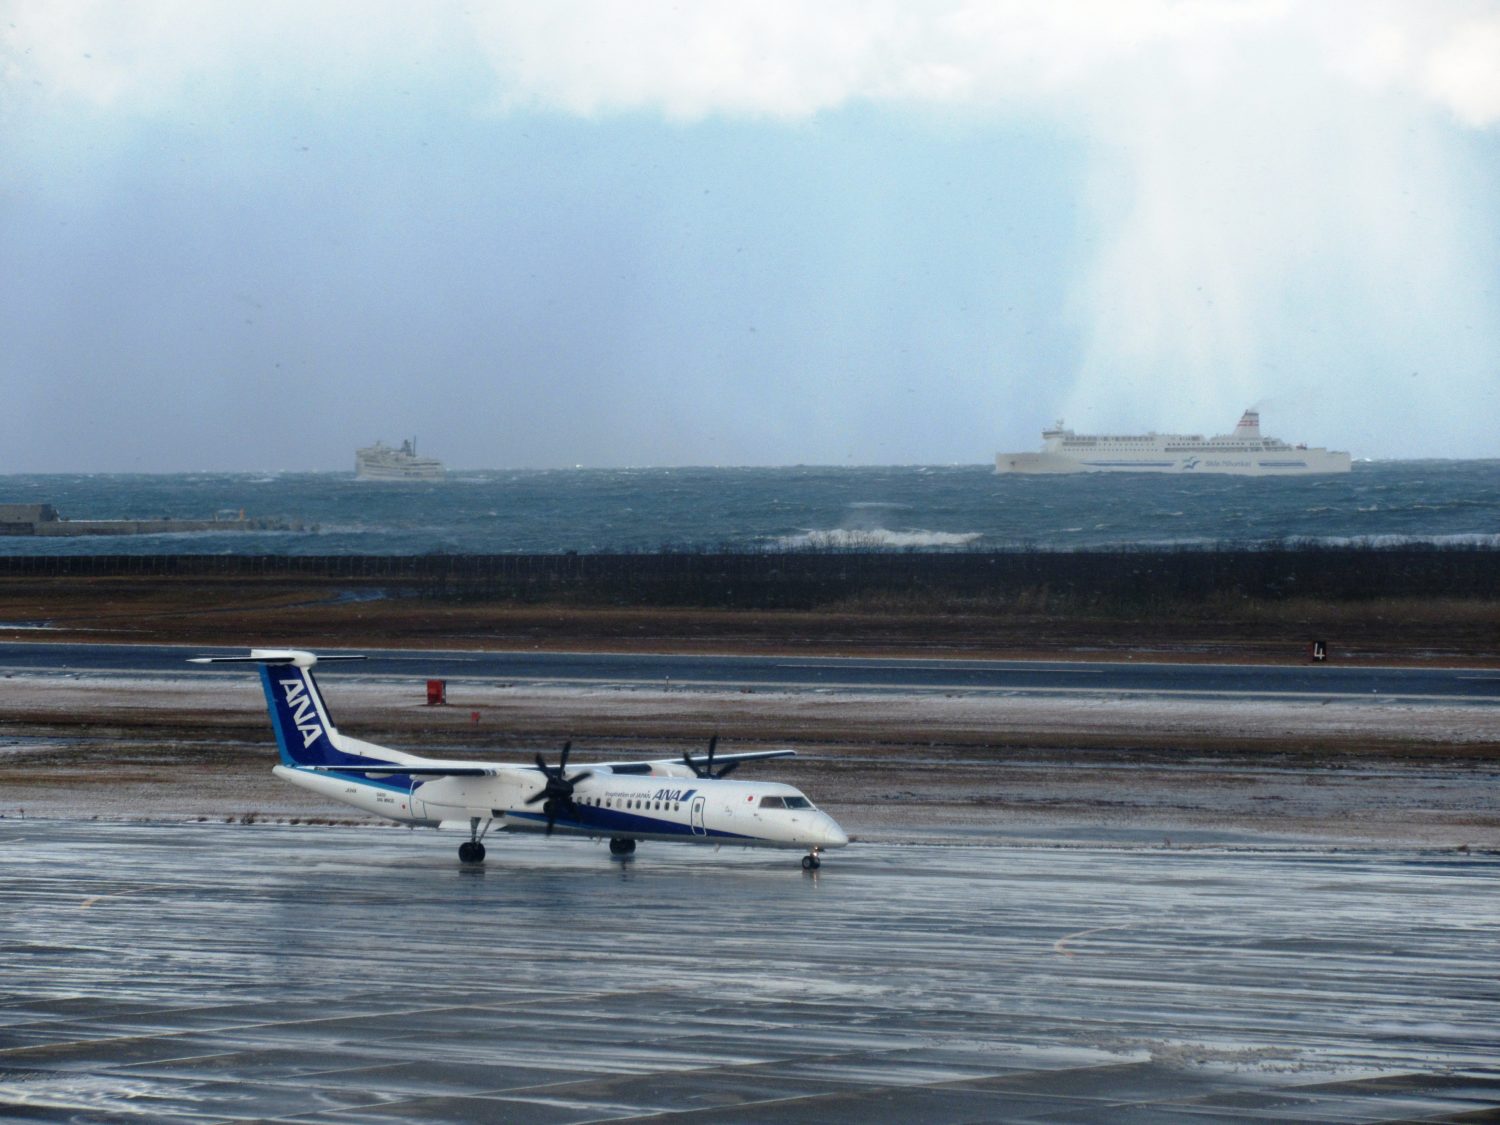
690 509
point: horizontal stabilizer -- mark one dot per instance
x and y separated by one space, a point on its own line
297 657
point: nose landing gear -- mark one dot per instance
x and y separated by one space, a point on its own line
811 861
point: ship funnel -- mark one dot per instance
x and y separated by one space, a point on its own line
1249 426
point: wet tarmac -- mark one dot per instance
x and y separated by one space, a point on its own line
227 972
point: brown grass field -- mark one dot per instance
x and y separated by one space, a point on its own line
343 614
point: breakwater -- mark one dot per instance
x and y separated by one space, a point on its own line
43 521
1125 577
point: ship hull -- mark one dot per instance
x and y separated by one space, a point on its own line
1301 462
385 472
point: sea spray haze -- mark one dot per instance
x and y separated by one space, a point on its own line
851 232
803 508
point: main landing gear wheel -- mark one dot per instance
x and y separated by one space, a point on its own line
620 845
471 851
811 863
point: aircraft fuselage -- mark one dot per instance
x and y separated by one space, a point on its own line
653 807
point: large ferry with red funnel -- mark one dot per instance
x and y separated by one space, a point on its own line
1245 452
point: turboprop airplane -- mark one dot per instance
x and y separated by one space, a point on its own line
684 799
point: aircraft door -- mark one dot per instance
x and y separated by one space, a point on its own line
415 804
696 817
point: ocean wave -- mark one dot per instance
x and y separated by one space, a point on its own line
1396 539
1483 540
874 539
647 510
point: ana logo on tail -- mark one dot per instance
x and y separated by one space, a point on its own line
299 702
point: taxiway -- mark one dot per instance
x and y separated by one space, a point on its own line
904 676
290 973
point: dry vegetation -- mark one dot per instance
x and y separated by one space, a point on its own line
329 613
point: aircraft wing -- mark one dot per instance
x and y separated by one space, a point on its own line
718 760
494 769
497 768
426 769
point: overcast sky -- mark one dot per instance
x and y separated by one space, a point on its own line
253 236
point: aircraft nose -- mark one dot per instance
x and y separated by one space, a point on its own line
833 835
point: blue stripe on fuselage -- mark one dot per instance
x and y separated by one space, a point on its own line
595 821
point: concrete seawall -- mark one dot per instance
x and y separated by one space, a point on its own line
43 521
76 528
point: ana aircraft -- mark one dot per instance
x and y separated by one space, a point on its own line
684 799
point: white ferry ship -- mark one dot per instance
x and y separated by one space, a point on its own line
382 462
1243 453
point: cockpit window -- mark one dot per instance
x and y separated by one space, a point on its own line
773 802
798 803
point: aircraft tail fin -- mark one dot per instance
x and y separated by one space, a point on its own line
305 733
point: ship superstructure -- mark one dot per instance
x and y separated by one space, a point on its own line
383 462
1245 452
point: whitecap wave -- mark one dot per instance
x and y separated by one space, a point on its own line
874 539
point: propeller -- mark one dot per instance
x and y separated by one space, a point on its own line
558 791
704 767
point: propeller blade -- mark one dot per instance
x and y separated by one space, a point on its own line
727 770
703 767
557 791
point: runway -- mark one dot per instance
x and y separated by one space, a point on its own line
905 676
217 972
